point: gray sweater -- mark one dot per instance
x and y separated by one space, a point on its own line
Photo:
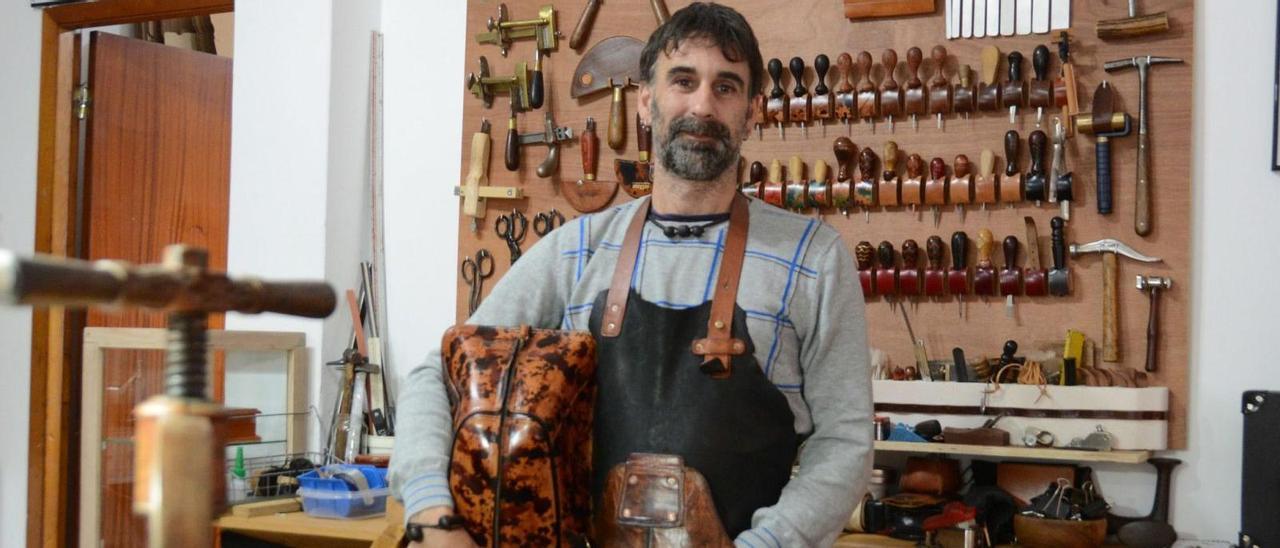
804 312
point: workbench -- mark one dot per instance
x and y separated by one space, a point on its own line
299 529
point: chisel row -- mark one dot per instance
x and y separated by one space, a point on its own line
889 100
990 18
796 190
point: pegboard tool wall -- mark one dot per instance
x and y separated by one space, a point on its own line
806 28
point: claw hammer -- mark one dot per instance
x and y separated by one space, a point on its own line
1142 210
1110 249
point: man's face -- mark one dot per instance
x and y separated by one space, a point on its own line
698 106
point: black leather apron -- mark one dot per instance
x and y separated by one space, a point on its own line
652 397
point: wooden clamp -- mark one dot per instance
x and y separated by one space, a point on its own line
475 189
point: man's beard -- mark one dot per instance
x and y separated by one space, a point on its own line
695 160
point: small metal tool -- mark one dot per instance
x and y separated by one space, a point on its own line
1153 285
474 272
512 228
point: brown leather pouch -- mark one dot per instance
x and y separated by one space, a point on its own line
1024 480
931 476
976 436
656 501
522 403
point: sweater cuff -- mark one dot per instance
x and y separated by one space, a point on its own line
425 491
757 537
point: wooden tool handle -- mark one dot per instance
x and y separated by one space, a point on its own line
1102 154
795 169
1010 248
478 167
584 24
1131 27
775 72
1153 335
775 171
1036 143
845 151
862 253
939 55
1011 144
757 173
797 74
511 156
864 65
1015 66
821 171
305 299
660 11
959 250
845 64
821 64
1142 209
987 163
933 251
867 164
617 120
890 61
986 244
1040 62
1059 245
890 160
886 255
990 64
536 90
915 166
590 151
644 138
966 76
914 57
910 255
1110 309
937 169
962 166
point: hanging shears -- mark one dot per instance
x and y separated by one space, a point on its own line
512 228
474 273
545 222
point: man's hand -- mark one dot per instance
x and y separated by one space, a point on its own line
438 538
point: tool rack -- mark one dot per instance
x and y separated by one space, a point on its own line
806 28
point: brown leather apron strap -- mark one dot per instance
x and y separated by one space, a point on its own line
616 304
719 345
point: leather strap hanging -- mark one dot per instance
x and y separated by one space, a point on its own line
719 345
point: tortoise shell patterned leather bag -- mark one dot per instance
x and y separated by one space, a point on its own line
522 409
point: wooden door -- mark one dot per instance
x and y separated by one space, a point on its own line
157 172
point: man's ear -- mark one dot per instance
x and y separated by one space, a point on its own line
642 104
755 111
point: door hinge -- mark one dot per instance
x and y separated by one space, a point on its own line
81 101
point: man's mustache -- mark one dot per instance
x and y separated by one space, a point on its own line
701 128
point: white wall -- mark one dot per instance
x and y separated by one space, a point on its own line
19 106
297 144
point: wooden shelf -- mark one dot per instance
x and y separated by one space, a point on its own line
1009 451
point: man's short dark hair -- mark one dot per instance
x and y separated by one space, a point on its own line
722 26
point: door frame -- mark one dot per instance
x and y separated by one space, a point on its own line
52 452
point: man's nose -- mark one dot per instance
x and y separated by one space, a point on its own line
702 102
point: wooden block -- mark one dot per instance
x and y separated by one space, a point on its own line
267 508
869 9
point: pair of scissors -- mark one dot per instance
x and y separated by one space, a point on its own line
512 228
544 223
474 273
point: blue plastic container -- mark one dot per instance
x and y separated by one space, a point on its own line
326 495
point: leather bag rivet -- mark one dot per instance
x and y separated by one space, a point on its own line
626 512
633 480
671 516
737 347
671 481
697 347
719 324
613 308
612 326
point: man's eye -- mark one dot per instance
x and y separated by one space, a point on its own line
727 88
683 82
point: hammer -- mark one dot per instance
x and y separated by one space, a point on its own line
1142 211
1110 249
1103 123
1152 285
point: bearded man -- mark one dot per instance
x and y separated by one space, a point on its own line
798 387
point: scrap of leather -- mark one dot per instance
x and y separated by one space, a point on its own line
522 420
1024 480
655 501
931 476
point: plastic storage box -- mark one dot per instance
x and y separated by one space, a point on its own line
326 494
